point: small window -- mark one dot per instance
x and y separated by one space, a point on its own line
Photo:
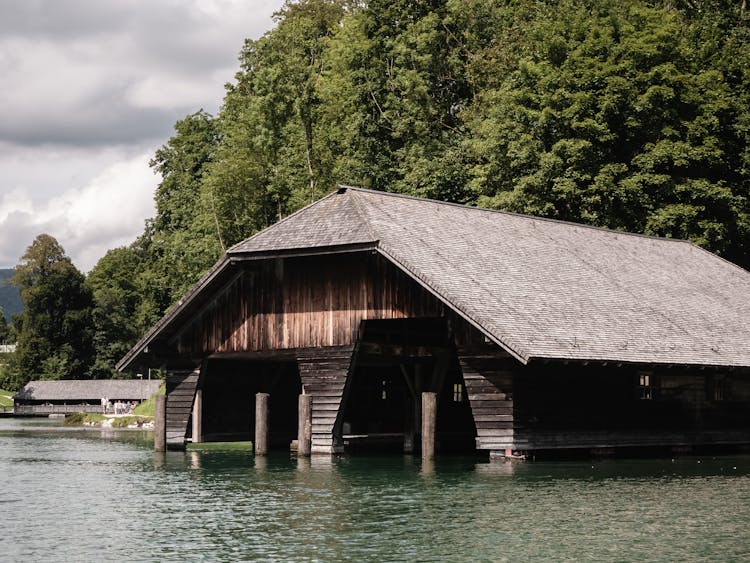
645 389
458 392
384 392
717 389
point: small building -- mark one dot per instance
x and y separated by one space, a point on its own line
535 334
79 395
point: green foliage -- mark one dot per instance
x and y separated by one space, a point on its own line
272 157
5 331
7 379
114 286
125 421
182 242
148 407
609 118
55 335
81 418
393 91
6 398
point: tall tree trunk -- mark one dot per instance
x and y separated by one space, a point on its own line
216 222
308 155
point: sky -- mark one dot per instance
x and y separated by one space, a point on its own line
89 89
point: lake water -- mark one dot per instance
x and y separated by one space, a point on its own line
84 495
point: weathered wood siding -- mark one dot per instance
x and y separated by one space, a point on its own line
181 386
309 302
574 406
324 373
488 376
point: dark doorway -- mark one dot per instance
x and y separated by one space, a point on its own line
376 409
229 389
396 361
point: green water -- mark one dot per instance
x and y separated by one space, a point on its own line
85 495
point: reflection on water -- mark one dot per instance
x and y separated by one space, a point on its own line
71 495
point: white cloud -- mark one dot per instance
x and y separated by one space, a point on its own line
105 213
90 90
126 79
169 91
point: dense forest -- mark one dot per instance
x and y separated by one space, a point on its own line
625 114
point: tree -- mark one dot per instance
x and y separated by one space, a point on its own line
273 158
611 117
393 90
114 286
54 340
181 241
4 329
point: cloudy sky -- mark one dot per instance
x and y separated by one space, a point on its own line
90 89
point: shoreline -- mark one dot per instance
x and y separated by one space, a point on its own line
110 421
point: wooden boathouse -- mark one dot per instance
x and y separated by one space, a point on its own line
533 334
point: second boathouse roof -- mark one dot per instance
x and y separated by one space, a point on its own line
88 390
539 288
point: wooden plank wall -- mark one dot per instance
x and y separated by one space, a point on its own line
530 440
181 386
575 406
324 373
309 302
488 376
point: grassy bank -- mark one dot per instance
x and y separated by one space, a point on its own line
96 419
6 398
148 407
84 418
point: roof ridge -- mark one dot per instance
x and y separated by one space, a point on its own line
342 188
362 213
284 220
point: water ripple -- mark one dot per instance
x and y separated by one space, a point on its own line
72 496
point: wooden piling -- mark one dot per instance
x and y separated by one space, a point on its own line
160 424
304 425
198 417
260 446
429 422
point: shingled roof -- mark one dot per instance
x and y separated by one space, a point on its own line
541 289
88 390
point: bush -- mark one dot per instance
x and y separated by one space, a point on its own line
81 418
125 421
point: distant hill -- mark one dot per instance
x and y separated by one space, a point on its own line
10 298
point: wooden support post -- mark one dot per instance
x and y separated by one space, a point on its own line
409 423
198 417
304 425
429 421
260 446
160 424
418 387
